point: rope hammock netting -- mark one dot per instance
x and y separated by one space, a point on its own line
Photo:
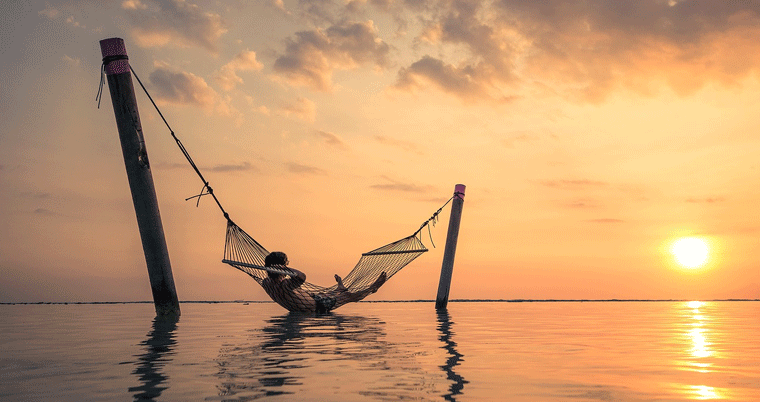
282 283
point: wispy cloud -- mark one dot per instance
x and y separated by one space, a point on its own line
45 212
220 168
240 167
49 12
300 169
582 203
71 61
227 76
73 22
395 185
159 23
170 166
707 200
311 56
330 139
400 144
574 184
301 108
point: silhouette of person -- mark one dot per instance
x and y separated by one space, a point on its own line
289 292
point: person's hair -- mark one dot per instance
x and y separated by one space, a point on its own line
276 258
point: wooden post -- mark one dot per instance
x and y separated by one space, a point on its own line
140 178
451 248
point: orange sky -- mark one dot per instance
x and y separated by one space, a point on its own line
590 135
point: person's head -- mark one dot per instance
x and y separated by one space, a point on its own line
276 258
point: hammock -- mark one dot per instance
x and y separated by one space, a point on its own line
246 254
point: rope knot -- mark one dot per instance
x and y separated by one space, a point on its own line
208 190
106 61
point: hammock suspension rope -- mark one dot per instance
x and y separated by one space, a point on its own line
243 252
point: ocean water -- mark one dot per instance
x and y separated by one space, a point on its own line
474 351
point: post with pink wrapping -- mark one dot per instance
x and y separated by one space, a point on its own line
447 268
117 70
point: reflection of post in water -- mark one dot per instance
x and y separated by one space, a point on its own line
457 381
158 347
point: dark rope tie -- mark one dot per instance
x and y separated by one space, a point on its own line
106 61
206 186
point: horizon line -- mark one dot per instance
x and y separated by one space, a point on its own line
399 301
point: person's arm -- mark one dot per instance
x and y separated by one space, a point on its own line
297 280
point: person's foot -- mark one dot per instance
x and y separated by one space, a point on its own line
379 282
340 282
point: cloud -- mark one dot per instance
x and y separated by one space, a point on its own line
133 5
170 166
582 204
300 169
395 185
226 168
400 144
220 168
72 61
708 200
244 61
71 21
45 212
280 5
182 87
50 12
459 81
301 108
582 50
311 57
578 184
173 22
331 139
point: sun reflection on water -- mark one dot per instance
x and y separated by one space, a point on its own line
702 392
700 346
700 352
695 304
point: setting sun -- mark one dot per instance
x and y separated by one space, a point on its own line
690 252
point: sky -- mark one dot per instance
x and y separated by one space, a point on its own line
591 135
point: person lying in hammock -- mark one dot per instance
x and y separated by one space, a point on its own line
287 291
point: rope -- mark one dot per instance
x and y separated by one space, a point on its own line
206 186
244 253
106 60
434 219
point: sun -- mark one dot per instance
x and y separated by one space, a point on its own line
690 252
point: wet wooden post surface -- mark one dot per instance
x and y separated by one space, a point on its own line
447 268
140 177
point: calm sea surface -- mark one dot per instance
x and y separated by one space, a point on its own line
475 351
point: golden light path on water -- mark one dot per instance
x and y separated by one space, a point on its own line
700 352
